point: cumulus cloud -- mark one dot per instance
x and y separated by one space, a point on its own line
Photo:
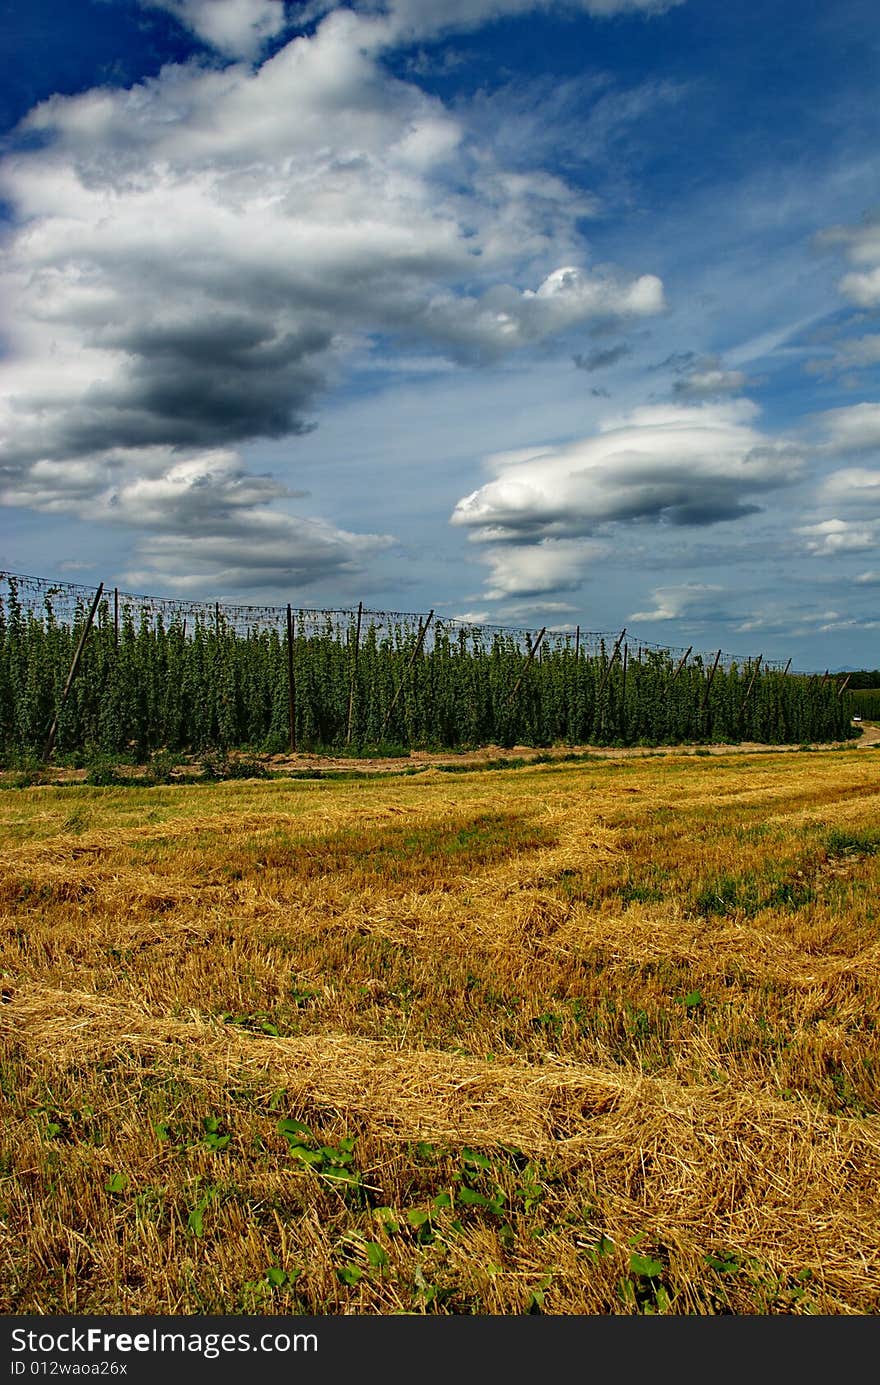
236 28
830 538
849 495
852 429
859 486
685 465
863 289
854 493
153 488
673 464
232 536
504 318
861 245
551 565
193 259
672 603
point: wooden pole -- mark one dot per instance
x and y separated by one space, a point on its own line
291 686
577 643
751 685
217 617
681 663
623 690
610 663
787 667
53 729
840 690
115 617
532 652
423 630
357 645
705 702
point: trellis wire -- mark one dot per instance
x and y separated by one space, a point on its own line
69 600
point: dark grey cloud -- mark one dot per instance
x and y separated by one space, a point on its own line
679 362
202 251
603 357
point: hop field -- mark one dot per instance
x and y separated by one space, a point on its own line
572 1038
156 676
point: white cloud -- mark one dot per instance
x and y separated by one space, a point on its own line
852 429
862 289
195 258
798 621
710 382
862 247
688 465
678 464
672 603
505 318
850 495
268 550
236 28
832 537
551 565
857 486
203 516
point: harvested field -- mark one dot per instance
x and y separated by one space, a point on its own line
588 1037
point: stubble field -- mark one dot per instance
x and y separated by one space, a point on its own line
573 1038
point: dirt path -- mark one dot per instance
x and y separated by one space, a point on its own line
486 756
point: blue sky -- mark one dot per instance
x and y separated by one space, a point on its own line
532 313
